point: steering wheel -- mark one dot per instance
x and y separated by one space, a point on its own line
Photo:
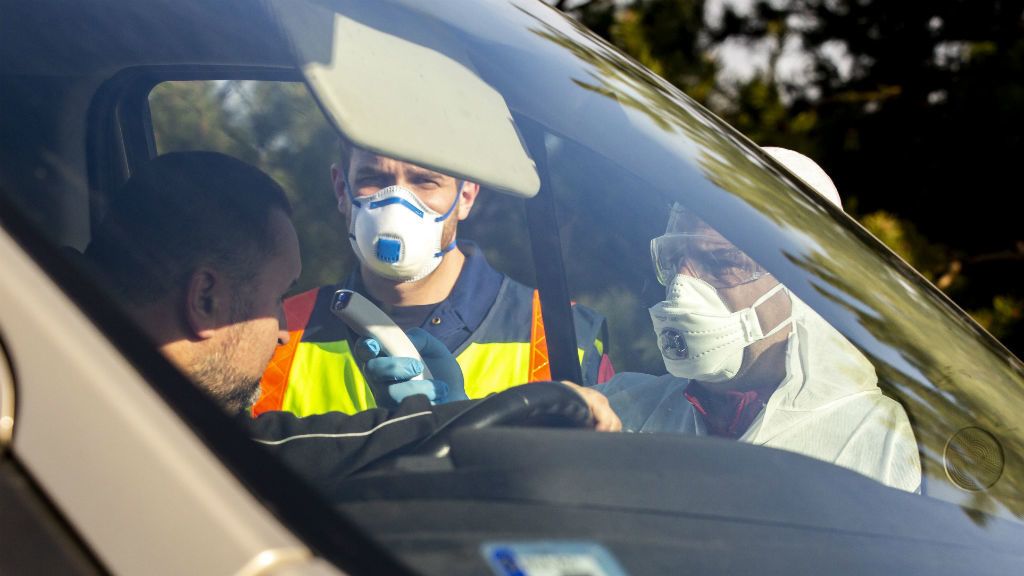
548 404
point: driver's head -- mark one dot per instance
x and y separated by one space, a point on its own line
722 310
201 249
402 217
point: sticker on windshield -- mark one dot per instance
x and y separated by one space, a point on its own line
550 558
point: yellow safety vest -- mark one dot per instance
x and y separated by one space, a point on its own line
316 371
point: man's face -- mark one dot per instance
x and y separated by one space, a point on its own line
694 248
231 371
369 173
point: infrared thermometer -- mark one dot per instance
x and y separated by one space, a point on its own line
366 319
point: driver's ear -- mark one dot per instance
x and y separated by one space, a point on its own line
207 302
338 180
470 190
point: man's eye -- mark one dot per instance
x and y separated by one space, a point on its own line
370 182
728 256
427 183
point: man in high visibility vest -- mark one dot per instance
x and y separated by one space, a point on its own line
402 224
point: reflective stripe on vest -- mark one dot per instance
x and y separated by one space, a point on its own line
540 369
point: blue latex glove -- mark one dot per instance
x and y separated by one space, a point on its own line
390 378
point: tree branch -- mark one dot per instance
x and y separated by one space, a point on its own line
563 5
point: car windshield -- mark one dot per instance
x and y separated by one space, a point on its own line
649 192
706 286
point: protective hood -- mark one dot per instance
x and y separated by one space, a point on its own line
822 369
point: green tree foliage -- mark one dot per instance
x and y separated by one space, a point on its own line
278 127
914 108
667 36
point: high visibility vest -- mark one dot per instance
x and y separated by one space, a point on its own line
317 372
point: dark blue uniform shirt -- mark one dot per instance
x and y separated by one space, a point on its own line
455 318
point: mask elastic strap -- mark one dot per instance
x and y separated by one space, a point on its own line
451 246
396 200
351 198
446 250
450 210
767 296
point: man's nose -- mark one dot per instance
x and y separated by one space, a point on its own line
685 267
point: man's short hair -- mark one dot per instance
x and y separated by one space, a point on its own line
180 211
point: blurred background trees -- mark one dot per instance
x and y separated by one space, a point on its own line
916 110
278 127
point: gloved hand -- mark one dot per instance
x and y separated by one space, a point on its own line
390 378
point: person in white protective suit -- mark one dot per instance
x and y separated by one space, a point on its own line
749 360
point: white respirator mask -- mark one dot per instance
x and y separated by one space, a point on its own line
396 235
699 338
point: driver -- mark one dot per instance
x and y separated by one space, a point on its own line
200 249
748 360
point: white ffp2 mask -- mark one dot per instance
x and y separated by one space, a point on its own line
699 338
396 235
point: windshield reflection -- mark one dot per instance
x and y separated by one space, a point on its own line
938 364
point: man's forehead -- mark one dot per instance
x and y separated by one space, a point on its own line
369 163
684 221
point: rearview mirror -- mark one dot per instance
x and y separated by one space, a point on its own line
417 101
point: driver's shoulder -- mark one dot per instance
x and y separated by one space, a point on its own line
637 398
639 384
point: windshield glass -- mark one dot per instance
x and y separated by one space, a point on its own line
856 334
597 226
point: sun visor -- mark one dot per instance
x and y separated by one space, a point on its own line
395 82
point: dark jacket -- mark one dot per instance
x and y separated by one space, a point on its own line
328 447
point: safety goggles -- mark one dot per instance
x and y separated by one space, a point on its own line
690 246
720 265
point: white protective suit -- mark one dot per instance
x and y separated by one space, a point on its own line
828 407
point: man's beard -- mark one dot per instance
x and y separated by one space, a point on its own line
448 231
218 374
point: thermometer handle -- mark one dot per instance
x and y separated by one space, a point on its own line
366 319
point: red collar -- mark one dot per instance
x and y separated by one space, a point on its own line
728 413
